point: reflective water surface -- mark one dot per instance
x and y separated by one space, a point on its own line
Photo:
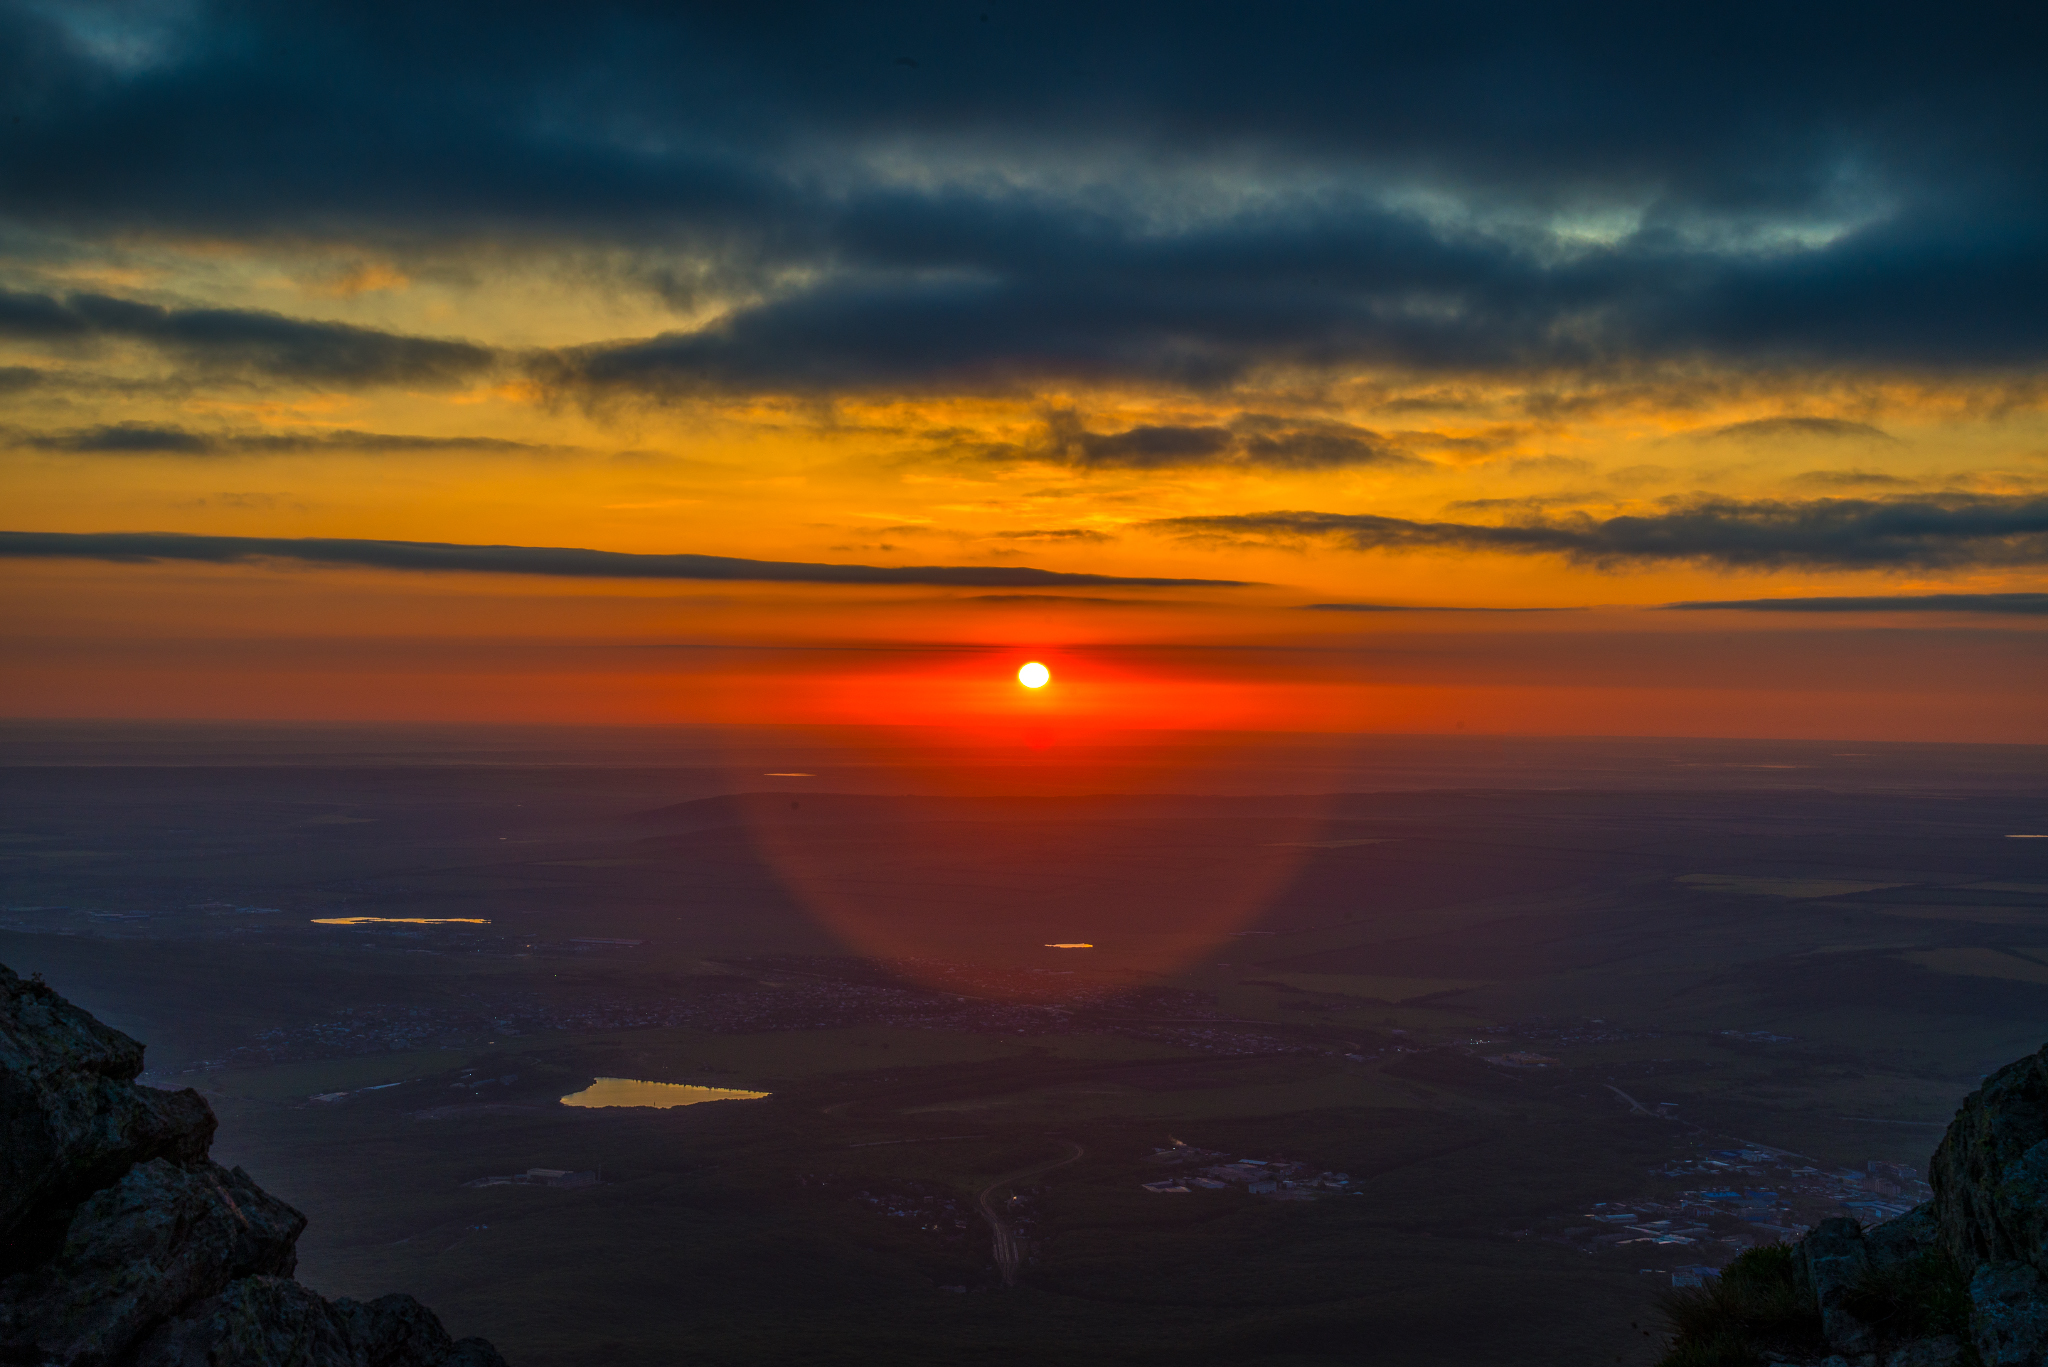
626 1091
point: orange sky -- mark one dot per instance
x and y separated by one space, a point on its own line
93 639
1500 522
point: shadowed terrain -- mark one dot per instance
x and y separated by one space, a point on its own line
1494 1008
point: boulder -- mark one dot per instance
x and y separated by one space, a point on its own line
255 1322
473 1352
1904 1238
160 1238
1943 1350
397 1331
275 1322
123 1245
1832 1263
72 1119
394 1330
2008 1314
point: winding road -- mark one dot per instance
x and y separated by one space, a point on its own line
1009 1249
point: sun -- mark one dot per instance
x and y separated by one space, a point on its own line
1034 675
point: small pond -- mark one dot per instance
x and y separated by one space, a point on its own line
400 921
626 1091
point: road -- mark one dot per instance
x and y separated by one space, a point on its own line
1635 1107
1009 1249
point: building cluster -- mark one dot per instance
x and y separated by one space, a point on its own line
1736 1209
1275 1177
538 1177
923 1207
1560 1031
1639 1222
1805 1194
1555 1032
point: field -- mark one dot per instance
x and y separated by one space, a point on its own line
1466 998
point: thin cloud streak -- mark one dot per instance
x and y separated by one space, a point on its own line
157 439
1904 533
2007 604
1776 429
1417 607
561 562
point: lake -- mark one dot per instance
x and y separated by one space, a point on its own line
626 1091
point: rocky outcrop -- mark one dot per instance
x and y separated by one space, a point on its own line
1990 1174
126 1246
72 1120
1963 1278
1833 1263
272 1319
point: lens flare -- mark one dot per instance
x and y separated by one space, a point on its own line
1034 675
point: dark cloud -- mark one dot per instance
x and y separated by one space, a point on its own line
1768 429
250 342
1524 503
1414 607
2018 604
17 379
1146 448
1296 444
661 110
147 439
1085 304
121 439
1062 192
1069 534
1248 440
1903 533
1850 479
1069 599
567 562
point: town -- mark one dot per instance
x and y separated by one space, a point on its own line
1277 1178
1735 1211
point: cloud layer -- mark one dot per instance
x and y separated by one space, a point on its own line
250 342
1856 534
166 439
565 562
1066 192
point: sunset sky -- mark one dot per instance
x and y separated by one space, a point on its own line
1569 369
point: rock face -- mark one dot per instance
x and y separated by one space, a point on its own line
1974 1259
1990 1174
123 1245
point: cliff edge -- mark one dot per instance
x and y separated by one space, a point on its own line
1958 1281
122 1244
